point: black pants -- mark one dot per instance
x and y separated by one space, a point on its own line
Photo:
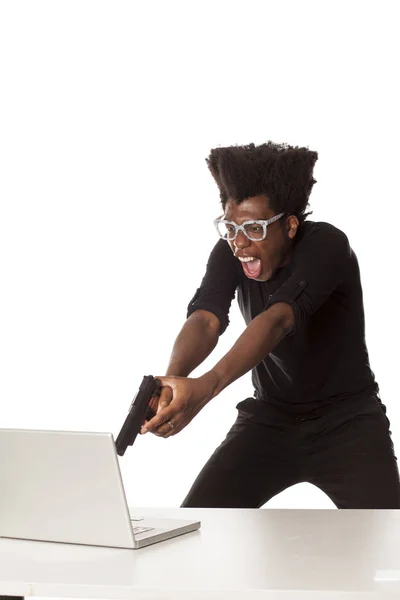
347 452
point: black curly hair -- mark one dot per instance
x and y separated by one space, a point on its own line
281 172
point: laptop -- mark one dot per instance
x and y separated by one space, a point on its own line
61 486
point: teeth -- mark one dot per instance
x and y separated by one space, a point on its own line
246 258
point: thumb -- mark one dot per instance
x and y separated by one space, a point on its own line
168 385
166 394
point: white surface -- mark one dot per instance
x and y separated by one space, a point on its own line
243 554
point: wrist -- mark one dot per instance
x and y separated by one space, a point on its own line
177 370
211 384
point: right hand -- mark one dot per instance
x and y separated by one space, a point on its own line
189 396
157 403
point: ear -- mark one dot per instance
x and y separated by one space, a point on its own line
292 225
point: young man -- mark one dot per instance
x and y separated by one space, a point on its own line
316 415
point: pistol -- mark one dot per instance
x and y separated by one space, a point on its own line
139 411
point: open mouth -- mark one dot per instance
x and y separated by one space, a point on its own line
251 266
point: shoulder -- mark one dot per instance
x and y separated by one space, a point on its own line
222 248
315 236
223 263
221 253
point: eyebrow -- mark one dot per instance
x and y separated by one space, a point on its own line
253 219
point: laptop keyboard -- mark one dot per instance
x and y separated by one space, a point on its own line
137 530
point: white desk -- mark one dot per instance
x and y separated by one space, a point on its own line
246 554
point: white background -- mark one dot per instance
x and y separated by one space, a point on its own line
108 110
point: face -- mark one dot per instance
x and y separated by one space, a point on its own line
271 253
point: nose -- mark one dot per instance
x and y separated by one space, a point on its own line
241 240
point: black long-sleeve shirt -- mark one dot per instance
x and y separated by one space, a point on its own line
324 358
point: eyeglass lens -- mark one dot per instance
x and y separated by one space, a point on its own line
255 231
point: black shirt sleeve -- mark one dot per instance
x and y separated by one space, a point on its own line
218 285
320 262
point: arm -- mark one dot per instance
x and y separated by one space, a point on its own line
207 319
196 340
207 312
189 396
260 337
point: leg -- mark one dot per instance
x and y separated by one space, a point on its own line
253 464
354 461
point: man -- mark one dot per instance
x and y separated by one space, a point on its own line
316 415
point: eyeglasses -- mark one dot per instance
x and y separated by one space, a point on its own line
253 230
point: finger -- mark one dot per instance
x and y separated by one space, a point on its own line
164 415
143 425
156 422
160 401
154 403
172 432
165 430
165 398
170 381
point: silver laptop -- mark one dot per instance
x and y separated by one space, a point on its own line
61 486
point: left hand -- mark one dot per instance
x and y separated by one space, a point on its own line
189 395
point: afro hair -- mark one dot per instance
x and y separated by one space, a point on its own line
281 172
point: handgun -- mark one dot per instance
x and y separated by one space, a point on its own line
139 411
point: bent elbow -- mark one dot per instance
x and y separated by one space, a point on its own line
284 315
209 321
